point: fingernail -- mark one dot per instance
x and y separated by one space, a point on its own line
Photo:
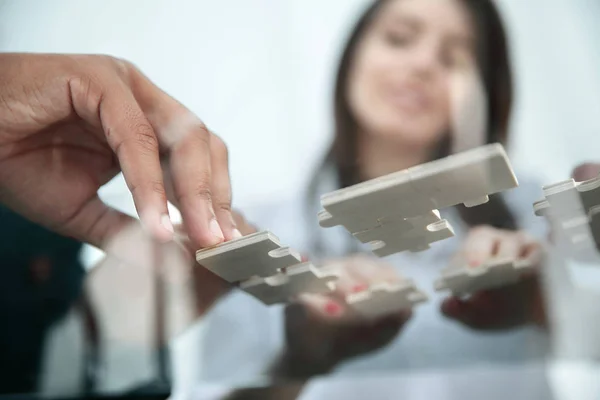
474 263
360 288
166 223
236 234
215 229
333 309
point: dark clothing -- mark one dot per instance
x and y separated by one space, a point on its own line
40 279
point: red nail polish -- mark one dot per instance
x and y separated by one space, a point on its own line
333 309
360 288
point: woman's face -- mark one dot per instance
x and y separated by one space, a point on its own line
401 75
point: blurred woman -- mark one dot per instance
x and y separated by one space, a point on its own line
417 80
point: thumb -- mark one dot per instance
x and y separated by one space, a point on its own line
98 224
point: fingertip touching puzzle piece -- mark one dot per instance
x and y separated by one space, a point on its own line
464 280
385 298
263 268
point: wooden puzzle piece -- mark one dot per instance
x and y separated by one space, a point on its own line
410 234
463 280
385 298
259 254
562 199
571 208
361 207
467 178
280 288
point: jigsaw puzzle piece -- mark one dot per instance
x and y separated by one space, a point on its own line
301 278
396 235
385 299
541 208
360 207
259 254
571 209
463 280
590 193
562 200
465 178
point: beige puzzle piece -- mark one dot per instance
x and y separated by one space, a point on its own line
385 298
295 280
463 280
259 254
410 234
571 207
467 178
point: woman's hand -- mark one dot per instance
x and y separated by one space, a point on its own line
505 307
321 331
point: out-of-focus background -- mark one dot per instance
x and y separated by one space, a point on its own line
259 73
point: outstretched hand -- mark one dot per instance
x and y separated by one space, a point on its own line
322 331
504 307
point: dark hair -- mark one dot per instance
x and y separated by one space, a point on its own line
494 68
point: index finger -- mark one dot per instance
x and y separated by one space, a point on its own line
188 144
132 138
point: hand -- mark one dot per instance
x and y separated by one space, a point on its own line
505 307
70 123
321 330
124 293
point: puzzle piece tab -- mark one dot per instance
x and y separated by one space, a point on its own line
259 254
463 280
301 278
385 299
410 234
465 178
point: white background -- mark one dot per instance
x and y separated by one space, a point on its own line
259 73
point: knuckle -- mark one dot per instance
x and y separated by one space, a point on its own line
85 89
124 67
158 188
204 192
201 191
223 205
145 137
155 186
202 134
219 147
